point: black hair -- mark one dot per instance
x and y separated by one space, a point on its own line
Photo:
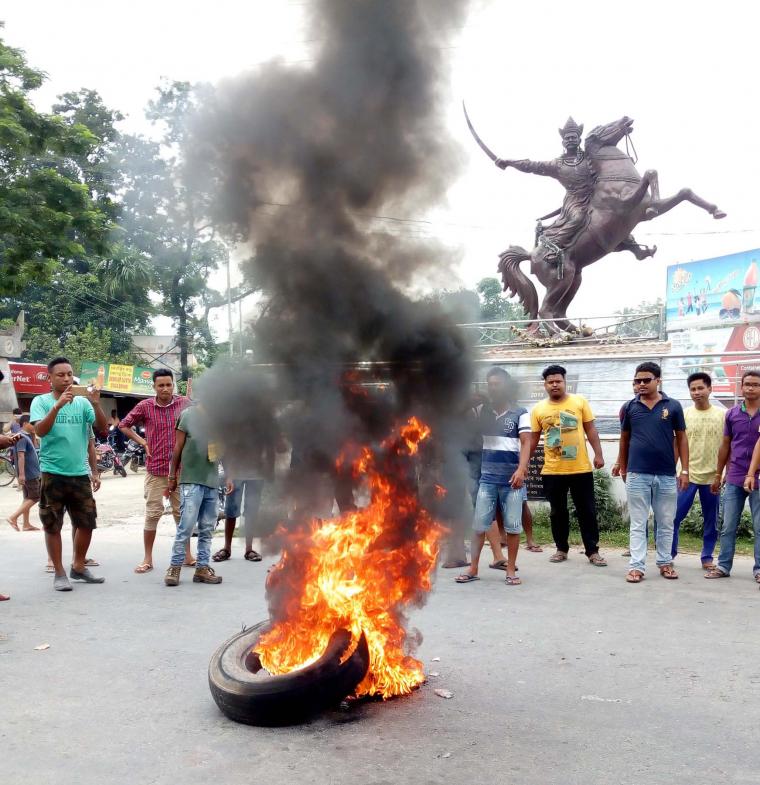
552 370
699 376
498 371
653 368
18 410
750 373
23 420
162 372
57 361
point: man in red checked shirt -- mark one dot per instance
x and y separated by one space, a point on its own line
159 416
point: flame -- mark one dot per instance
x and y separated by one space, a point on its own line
358 571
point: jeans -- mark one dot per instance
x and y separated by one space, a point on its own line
658 492
734 497
510 500
581 488
710 502
198 505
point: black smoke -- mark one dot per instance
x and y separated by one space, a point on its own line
314 161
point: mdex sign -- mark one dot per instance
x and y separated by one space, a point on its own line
30 378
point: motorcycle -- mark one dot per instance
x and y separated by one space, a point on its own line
108 459
134 455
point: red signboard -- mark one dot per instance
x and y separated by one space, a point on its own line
30 378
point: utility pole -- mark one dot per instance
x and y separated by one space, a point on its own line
240 325
229 305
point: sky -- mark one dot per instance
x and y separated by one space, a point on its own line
686 73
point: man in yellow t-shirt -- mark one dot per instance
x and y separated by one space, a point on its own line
704 431
566 421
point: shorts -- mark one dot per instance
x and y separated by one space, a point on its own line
510 500
31 489
153 492
250 490
73 495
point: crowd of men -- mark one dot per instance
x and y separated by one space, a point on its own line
666 457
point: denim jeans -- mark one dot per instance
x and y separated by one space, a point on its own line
198 504
657 492
734 497
709 502
489 496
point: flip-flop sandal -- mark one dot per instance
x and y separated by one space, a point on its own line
49 568
252 555
533 548
558 557
12 524
710 574
668 572
454 564
501 564
597 561
192 563
757 577
91 563
635 576
512 580
706 567
141 569
466 578
4 597
221 555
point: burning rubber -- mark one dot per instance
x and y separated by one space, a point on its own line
246 693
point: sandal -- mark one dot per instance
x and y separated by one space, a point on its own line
466 578
534 548
91 563
558 557
596 560
634 576
512 580
252 555
708 565
667 571
192 563
141 569
716 573
757 577
221 555
500 564
4 597
454 564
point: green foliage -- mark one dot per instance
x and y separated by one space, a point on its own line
693 522
642 327
494 306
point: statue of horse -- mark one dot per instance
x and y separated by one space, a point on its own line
621 200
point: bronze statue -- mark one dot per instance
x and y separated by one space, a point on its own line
605 199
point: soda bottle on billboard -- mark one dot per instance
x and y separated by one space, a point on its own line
750 284
101 377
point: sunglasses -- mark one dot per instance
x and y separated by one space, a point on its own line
648 380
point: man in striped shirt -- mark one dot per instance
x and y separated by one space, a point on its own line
504 467
159 416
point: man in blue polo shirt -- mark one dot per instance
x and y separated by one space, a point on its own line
647 463
506 452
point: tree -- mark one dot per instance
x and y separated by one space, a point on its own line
630 327
494 306
47 213
166 215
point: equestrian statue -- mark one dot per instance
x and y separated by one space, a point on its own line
605 199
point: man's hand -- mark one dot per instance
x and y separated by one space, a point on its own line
683 482
66 397
171 486
21 479
95 480
502 163
749 484
8 439
598 461
618 471
229 487
93 394
518 478
146 448
716 484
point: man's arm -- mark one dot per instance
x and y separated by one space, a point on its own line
682 444
100 426
42 427
592 434
543 168
535 438
620 467
135 417
518 477
724 453
21 461
92 459
179 444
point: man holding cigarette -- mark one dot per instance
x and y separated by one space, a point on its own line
62 419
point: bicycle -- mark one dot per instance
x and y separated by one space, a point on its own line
7 470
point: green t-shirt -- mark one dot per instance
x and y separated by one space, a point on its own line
63 449
195 466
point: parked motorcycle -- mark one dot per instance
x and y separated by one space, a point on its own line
134 455
108 459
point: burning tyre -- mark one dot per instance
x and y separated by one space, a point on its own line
245 692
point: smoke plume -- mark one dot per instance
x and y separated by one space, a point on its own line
313 160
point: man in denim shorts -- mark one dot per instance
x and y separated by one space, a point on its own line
504 467
63 422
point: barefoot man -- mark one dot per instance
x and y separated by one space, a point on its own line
28 469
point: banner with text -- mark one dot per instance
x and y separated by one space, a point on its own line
112 377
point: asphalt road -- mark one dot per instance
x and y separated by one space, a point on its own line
572 678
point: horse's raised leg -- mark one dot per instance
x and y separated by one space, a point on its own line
564 303
684 195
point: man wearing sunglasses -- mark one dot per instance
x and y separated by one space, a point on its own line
647 464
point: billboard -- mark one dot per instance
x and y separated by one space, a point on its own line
713 292
30 378
111 377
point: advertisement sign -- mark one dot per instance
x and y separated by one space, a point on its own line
112 377
30 378
714 292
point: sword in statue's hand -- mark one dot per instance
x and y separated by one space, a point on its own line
502 163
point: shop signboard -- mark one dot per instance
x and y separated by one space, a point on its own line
30 378
114 377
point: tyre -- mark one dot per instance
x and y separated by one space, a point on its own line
7 471
246 693
121 470
134 465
